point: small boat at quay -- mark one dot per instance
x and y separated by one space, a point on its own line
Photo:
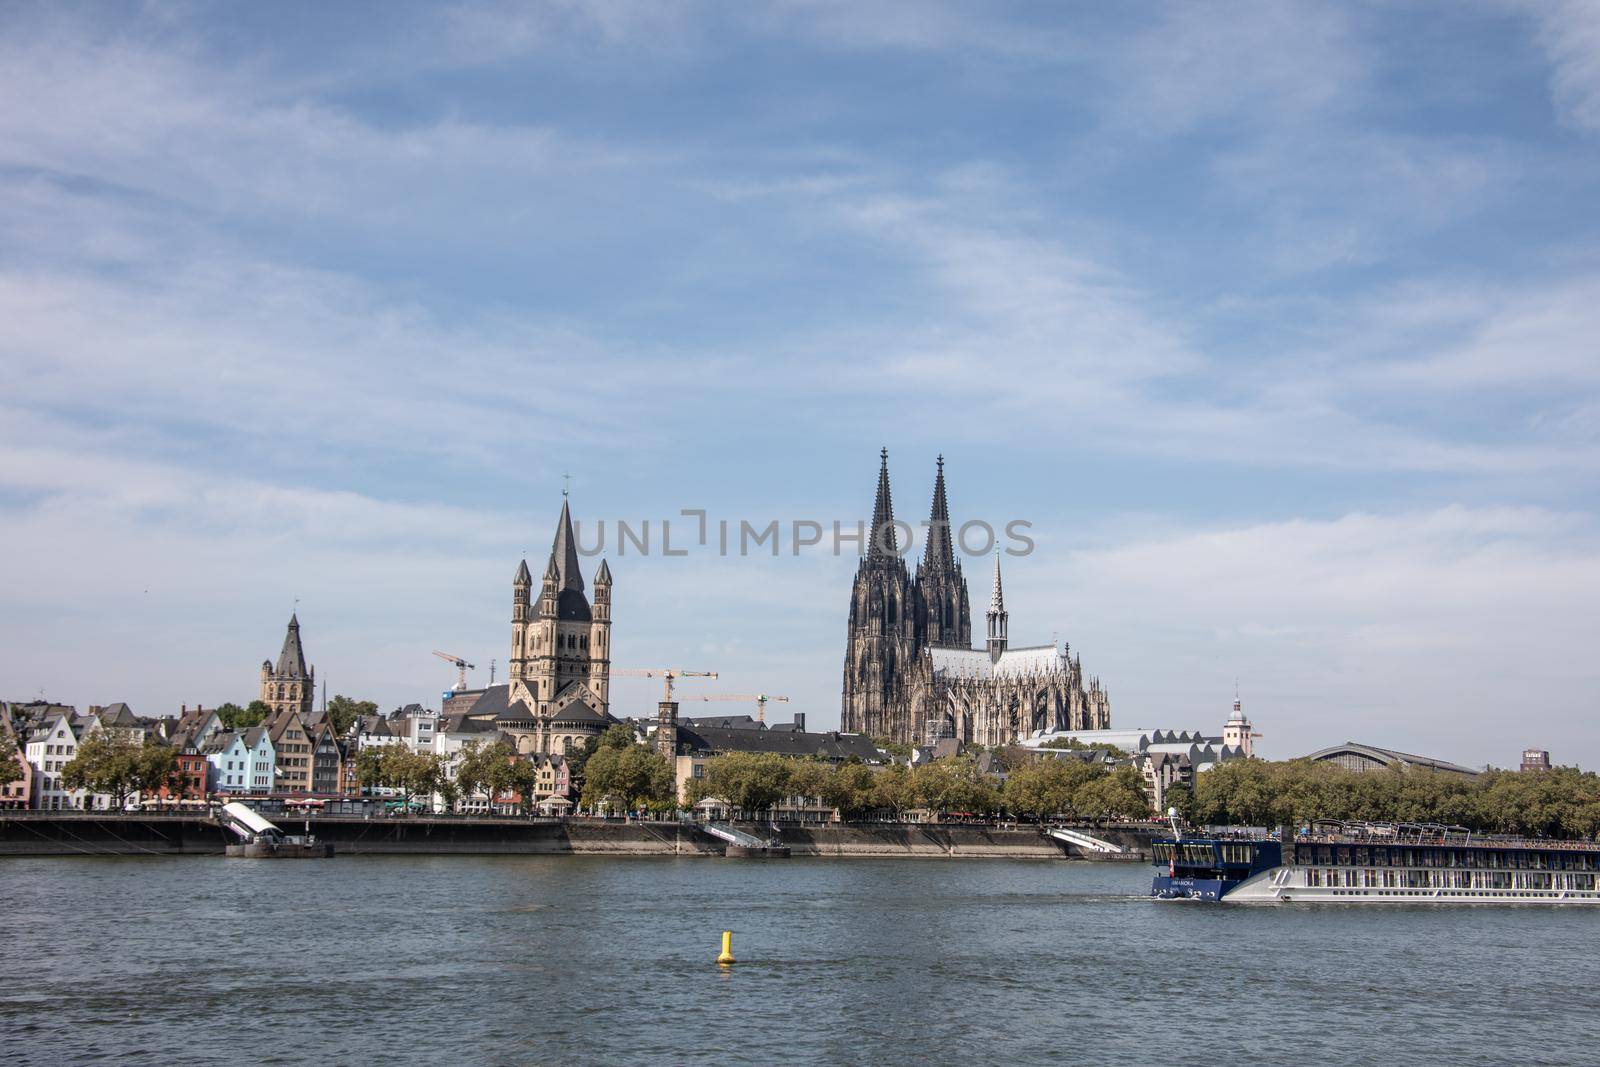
1372 863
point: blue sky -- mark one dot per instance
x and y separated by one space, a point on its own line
1278 322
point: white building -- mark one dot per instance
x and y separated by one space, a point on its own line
242 761
1165 757
51 746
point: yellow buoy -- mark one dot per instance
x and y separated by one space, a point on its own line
727 948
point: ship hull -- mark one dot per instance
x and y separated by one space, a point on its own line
1290 885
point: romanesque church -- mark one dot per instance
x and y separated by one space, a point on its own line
910 671
559 691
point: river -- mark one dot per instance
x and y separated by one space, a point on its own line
554 959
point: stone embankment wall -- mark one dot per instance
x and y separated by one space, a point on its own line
60 834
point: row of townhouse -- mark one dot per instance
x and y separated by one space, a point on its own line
209 757
294 752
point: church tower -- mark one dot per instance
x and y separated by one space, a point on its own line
600 636
996 616
946 620
557 639
291 685
881 642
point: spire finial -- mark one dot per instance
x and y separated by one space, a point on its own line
566 484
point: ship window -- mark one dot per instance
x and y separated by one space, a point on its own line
1380 857
1324 854
1362 857
1344 857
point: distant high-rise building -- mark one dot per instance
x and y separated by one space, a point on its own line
910 672
1535 759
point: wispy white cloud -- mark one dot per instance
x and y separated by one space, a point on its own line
1569 33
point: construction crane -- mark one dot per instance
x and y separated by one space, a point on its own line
760 699
460 664
665 673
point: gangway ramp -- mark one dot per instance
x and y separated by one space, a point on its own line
732 836
1083 840
246 821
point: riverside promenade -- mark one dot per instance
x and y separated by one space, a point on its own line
196 834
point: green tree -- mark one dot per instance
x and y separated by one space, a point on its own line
156 767
522 779
891 789
412 773
631 777
107 761
1179 796
618 736
578 760
850 788
1045 787
236 718
1112 796
369 767
808 778
486 767
343 712
749 781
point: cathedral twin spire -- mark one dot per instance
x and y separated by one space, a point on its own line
885 542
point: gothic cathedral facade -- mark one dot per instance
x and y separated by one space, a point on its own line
910 671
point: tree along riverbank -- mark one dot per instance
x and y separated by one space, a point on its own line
134 834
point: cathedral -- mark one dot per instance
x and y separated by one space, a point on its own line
910 671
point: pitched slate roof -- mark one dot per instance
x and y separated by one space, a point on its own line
1013 662
832 745
579 713
463 724
490 703
120 716
727 722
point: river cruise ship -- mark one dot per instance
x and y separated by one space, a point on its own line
1376 864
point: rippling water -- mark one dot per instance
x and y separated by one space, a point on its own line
599 960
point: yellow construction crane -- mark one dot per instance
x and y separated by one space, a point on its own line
760 699
460 664
665 673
